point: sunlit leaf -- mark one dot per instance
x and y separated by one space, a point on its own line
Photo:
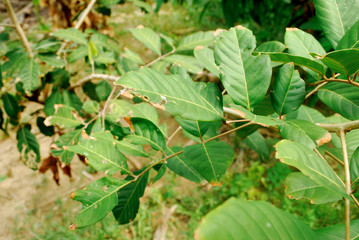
337 232
71 34
350 39
148 37
196 39
342 61
28 147
64 117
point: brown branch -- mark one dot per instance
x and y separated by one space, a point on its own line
347 126
19 30
315 89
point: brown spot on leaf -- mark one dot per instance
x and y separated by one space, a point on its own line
291 29
72 195
72 227
327 137
198 48
128 120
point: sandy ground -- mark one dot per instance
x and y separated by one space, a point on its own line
24 189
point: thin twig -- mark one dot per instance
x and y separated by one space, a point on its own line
95 76
334 157
19 30
355 200
19 13
79 23
315 89
173 134
103 113
160 58
228 132
347 184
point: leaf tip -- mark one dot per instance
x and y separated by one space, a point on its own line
198 48
72 227
72 195
291 29
240 27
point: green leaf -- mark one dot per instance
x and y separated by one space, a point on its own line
264 121
148 37
16 61
297 60
210 160
103 90
271 46
52 60
350 39
337 232
300 186
71 34
147 133
30 75
98 199
91 106
342 98
11 105
79 53
64 117
117 110
144 110
133 56
336 17
67 139
51 101
354 166
244 80
28 147
102 154
196 128
241 219
180 165
257 143
178 96
129 199
288 90
308 114
131 149
205 56
342 61
190 63
310 164
304 132
301 43
196 39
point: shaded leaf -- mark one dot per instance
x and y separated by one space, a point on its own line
46 130
206 58
264 121
350 39
271 46
68 139
30 75
128 203
210 160
337 232
354 166
190 63
11 105
308 114
288 90
257 142
300 186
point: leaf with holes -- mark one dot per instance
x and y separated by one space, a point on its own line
102 154
300 186
98 199
67 139
178 96
241 219
28 147
64 117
